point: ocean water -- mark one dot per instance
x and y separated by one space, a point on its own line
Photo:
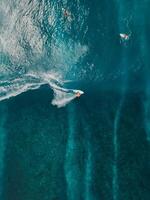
54 146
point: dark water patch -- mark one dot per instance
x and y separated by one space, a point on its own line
3 144
35 148
39 159
133 152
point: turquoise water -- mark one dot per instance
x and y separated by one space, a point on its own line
95 147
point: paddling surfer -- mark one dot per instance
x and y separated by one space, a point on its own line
124 36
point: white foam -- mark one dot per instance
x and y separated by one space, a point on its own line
22 45
14 87
62 98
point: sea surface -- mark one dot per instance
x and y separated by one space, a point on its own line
54 146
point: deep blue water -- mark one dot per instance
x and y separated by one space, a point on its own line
97 147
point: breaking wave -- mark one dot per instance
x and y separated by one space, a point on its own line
37 47
14 87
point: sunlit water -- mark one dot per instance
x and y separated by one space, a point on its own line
54 146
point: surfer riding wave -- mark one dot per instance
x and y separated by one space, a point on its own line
63 96
16 86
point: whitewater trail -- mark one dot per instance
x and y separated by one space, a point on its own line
61 99
14 87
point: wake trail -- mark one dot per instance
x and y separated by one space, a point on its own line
123 21
14 87
115 144
88 163
71 164
61 99
115 183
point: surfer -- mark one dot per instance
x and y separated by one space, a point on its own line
63 96
58 86
78 94
124 36
67 14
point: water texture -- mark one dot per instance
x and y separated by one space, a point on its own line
54 146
